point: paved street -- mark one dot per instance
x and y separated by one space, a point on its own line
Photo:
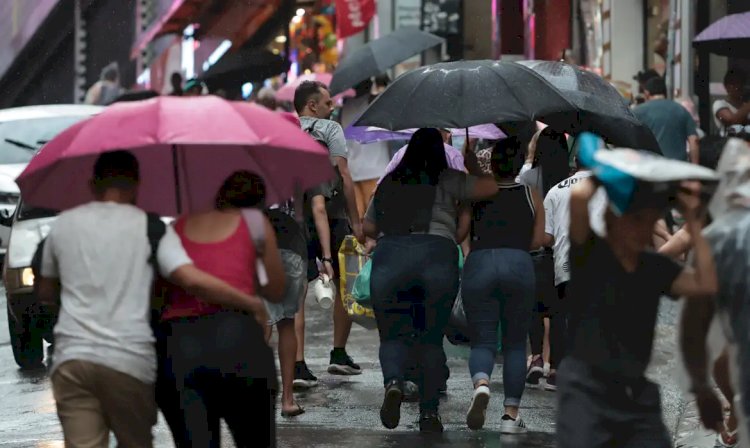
342 411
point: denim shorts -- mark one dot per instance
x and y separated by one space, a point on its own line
295 268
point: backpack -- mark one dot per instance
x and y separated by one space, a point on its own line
333 190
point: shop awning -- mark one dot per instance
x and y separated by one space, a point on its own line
177 17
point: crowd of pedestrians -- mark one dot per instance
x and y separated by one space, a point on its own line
541 245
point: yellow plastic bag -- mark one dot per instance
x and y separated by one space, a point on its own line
352 257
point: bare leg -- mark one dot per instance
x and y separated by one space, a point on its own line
721 376
299 328
545 344
512 411
342 323
287 353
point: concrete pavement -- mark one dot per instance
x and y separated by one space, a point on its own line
343 411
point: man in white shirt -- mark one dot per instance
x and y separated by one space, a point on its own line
732 110
98 258
556 226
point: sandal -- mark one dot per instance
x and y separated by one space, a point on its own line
726 438
294 413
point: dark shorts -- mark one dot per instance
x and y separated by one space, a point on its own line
339 231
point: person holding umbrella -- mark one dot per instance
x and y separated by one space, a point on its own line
735 109
414 214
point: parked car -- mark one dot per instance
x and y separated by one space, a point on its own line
23 131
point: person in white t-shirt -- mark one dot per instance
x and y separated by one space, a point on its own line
97 262
557 223
733 110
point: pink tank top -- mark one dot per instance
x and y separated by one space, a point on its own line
231 260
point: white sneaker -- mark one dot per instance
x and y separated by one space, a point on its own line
478 408
509 425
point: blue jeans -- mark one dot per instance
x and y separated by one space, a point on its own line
413 285
498 287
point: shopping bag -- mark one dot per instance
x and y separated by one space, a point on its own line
361 289
352 258
457 330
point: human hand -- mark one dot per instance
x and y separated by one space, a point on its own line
258 308
358 232
370 245
709 408
689 200
326 268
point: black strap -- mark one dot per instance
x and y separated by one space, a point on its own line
155 230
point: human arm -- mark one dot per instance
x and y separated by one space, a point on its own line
48 283
351 199
694 149
580 196
323 229
678 244
701 279
482 185
728 118
694 326
549 224
537 239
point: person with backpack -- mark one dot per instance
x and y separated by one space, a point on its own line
98 262
313 103
414 279
217 363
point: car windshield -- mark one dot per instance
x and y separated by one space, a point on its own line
26 212
20 139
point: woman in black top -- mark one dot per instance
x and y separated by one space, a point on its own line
498 284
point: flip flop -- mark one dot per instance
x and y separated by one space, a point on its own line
294 413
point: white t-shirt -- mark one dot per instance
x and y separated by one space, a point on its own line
100 253
717 106
557 220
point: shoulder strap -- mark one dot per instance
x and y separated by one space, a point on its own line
256 225
155 230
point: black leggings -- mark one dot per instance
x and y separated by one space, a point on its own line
215 367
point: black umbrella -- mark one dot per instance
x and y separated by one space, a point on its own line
379 55
463 94
601 108
244 65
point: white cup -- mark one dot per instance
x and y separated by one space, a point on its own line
324 293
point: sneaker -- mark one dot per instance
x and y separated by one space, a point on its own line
411 392
535 372
429 422
510 425
342 364
303 377
390 411
478 408
551 382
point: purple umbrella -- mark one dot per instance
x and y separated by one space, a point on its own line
370 134
728 36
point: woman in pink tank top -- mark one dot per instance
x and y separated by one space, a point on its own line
214 362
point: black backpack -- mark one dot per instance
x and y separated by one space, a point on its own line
334 189
155 230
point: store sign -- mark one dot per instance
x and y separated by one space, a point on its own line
408 14
19 20
352 16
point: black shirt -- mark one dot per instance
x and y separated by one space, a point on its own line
613 312
505 220
290 234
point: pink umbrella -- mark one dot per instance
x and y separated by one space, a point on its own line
286 93
186 148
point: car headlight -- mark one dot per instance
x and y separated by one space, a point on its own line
27 277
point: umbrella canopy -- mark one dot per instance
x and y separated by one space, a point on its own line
600 107
379 55
728 36
186 148
371 134
244 65
463 94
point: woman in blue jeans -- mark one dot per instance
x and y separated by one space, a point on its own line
498 285
414 278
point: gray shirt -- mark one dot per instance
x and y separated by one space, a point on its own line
327 131
454 187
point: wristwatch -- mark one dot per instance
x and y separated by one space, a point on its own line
326 260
